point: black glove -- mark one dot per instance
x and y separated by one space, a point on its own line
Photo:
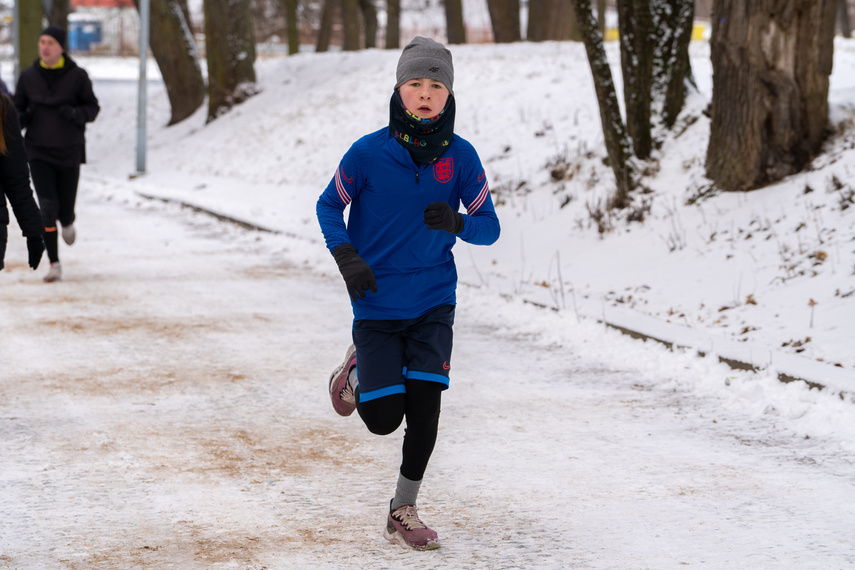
440 216
24 118
35 246
358 276
71 113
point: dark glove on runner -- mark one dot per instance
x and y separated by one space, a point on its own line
440 216
358 276
71 114
35 246
24 118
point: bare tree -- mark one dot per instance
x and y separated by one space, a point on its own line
268 20
455 28
551 20
771 65
58 13
174 50
601 16
505 20
230 49
185 10
843 21
393 24
636 58
672 69
291 28
29 27
328 14
617 141
654 46
350 21
369 19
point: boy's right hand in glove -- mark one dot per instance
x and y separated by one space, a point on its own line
35 247
440 216
358 276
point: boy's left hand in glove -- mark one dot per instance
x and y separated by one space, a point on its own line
440 216
357 274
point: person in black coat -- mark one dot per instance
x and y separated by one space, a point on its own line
15 186
54 99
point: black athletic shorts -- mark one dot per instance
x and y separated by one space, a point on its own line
388 353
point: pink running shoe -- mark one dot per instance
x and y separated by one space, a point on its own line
406 528
341 394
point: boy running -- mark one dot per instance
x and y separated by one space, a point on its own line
404 184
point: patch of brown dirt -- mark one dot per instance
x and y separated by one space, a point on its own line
272 271
108 326
260 455
119 382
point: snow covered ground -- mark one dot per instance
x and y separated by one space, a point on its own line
164 405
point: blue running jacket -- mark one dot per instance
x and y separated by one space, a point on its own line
387 193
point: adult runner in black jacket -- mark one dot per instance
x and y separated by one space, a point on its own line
15 186
54 99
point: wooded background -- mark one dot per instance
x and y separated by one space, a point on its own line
771 64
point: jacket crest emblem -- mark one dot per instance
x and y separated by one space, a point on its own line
443 170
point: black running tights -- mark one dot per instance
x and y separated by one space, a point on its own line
56 187
420 405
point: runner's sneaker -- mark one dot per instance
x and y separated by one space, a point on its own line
406 528
341 393
68 234
54 273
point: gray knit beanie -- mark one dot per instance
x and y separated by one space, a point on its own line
424 57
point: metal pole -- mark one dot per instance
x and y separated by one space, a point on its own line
141 104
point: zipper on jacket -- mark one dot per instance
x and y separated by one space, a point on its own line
417 175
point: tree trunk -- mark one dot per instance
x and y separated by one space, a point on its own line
350 22
328 13
58 15
291 27
369 17
617 141
566 28
601 16
174 51
393 24
538 20
505 20
455 29
230 49
29 27
185 10
635 26
843 21
671 65
552 20
771 64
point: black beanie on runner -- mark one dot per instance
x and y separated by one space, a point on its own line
56 33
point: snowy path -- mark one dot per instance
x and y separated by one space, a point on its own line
164 406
